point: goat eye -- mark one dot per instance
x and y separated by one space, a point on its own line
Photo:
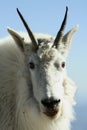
31 65
63 64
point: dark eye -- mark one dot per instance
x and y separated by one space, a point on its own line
63 64
31 65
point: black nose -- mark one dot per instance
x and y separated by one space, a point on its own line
50 103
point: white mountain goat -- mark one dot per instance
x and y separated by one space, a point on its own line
35 91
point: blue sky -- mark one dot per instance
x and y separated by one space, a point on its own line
46 17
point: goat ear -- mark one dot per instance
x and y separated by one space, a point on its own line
18 39
66 40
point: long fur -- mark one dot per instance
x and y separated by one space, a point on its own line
18 108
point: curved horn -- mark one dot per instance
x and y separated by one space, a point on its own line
31 35
61 31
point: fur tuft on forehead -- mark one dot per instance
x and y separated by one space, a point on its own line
46 53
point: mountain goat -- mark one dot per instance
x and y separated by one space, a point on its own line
35 91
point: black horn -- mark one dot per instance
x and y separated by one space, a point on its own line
61 31
31 35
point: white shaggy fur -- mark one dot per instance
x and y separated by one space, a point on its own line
22 89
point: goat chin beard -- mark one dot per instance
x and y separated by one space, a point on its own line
52 114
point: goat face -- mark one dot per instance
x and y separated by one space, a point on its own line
47 69
46 65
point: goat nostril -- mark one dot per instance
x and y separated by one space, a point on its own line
50 103
58 101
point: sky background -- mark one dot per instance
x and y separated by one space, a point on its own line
45 16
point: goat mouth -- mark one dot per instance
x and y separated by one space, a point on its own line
51 112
